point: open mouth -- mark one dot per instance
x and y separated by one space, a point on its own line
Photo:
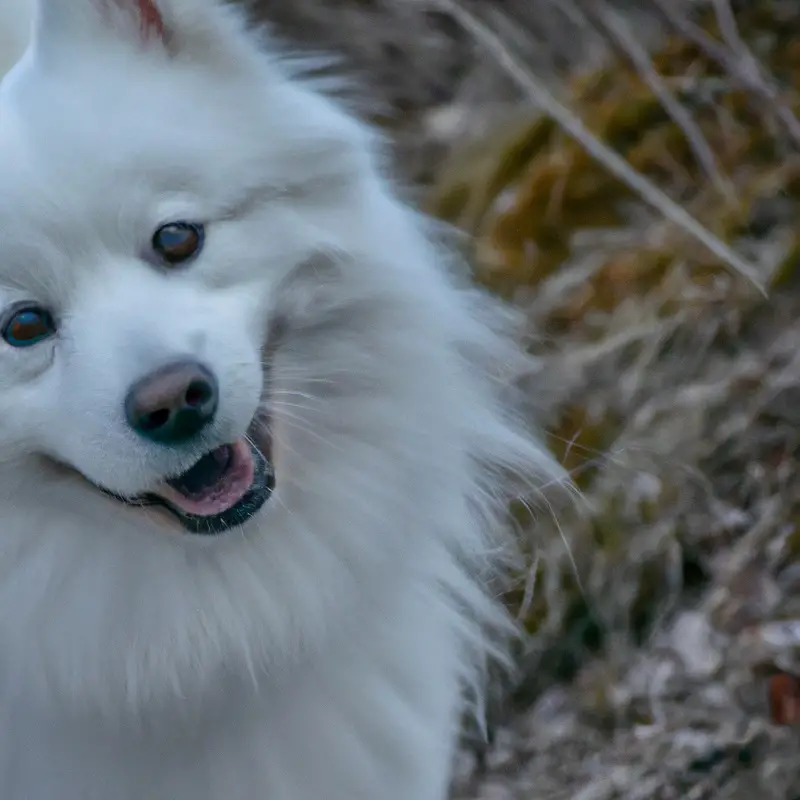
222 490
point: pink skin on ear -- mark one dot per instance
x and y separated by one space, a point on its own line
150 19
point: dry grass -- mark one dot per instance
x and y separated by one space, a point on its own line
627 171
674 393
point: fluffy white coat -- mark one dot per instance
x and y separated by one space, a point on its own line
322 650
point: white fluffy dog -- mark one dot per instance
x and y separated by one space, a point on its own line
253 448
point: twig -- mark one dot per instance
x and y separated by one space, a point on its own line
611 22
600 151
738 62
726 20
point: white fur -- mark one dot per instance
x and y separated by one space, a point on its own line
16 17
321 651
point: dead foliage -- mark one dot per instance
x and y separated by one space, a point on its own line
629 173
663 609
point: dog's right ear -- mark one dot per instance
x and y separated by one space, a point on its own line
202 29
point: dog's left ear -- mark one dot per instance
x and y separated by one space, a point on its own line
207 28
148 15
145 15
61 22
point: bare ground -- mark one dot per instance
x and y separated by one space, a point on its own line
632 179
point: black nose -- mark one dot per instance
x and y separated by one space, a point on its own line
173 403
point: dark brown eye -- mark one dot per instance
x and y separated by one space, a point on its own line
26 325
177 242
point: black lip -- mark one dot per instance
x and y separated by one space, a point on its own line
256 496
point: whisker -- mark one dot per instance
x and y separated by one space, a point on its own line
291 422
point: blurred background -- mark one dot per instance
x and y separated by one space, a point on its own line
629 174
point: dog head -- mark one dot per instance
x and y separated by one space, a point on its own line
144 244
219 327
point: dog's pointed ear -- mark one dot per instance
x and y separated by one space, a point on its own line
148 16
145 17
60 22
207 31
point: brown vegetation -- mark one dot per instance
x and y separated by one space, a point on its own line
670 385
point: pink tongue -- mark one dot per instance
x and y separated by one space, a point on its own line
222 495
